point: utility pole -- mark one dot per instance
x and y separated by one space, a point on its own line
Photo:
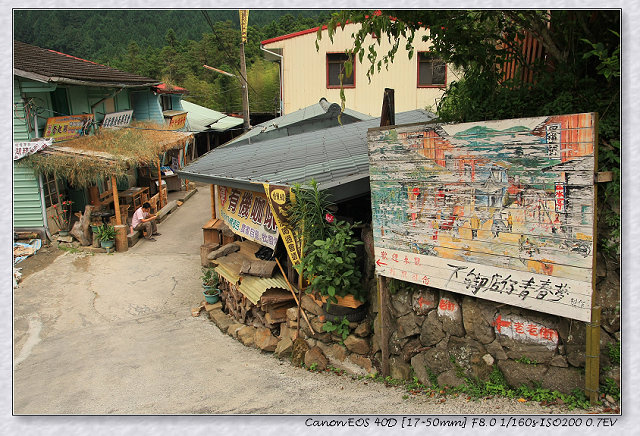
244 22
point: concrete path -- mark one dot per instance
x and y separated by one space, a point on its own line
113 334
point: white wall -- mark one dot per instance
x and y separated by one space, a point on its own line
305 82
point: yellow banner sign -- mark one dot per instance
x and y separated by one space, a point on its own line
244 23
279 197
67 127
247 214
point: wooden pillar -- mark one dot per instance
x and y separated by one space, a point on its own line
208 141
213 201
122 243
384 339
116 202
160 204
592 364
94 195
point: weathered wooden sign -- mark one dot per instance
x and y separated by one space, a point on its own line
501 210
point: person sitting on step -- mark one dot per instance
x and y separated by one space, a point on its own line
143 220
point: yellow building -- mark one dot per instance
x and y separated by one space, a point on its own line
307 74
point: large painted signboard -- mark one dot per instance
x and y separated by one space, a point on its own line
248 214
500 210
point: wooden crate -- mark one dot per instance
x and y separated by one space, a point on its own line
212 231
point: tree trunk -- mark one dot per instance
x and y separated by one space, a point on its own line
81 230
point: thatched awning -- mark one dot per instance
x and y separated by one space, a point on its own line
110 152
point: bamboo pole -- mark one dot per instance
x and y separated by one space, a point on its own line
116 202
294 296
213 201
159 187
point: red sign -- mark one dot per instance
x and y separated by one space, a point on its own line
560 196
177 121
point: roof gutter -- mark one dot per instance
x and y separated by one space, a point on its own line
67 81
280 72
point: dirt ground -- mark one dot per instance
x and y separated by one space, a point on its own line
43 258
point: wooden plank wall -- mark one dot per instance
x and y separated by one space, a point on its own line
502 210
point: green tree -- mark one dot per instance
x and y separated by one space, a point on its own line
579 72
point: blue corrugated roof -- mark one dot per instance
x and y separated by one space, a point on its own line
335 157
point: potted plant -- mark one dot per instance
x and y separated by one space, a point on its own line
210 280
62 216
107 235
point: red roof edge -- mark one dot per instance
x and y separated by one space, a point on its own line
164 89
74 57
291 35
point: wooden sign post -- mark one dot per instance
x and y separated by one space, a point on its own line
387 118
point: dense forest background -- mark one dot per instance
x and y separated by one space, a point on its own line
172 46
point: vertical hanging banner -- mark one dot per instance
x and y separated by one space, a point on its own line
248 215
244 24
279 196
501 210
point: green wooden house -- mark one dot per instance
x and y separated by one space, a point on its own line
48 84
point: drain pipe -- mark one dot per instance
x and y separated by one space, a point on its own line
280 72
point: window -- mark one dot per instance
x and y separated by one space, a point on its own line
432 72
335 66
166 102
50 190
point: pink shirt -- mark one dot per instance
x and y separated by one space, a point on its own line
138 215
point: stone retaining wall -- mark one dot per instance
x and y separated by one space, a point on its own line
442 336
315 348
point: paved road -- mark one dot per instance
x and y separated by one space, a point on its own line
113 334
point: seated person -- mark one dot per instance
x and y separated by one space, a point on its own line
143 220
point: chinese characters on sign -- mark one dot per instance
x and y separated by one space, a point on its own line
277 196
22 149
522 329
529 290
248 215
560 191
117 119
68 127
553 139
177 121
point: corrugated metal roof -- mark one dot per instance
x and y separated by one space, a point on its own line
250 286
334 157
202 119
300 121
